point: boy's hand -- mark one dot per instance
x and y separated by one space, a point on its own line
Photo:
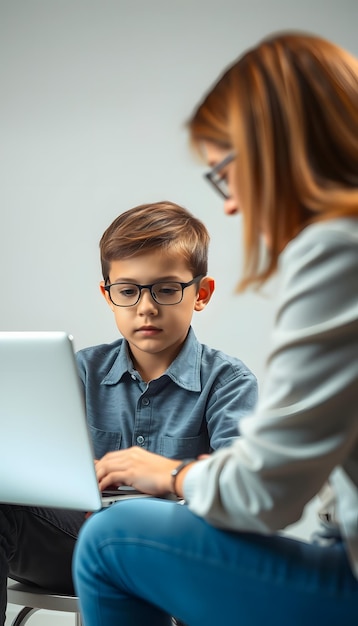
138 468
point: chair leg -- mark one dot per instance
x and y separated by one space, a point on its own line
25 613
22 617
78 621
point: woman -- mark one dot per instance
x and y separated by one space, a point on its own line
280 130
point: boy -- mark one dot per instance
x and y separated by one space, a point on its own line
157 387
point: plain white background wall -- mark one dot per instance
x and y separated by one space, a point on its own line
94 97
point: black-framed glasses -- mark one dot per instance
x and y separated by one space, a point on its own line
215 177
165 292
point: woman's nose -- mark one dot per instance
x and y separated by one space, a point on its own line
230 207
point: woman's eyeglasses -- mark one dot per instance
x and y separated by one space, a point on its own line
219 181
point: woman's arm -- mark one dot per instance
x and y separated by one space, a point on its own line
305 423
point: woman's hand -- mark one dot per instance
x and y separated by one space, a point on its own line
138 468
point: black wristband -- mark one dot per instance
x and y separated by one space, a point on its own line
174 473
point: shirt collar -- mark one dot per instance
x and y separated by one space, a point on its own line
184 371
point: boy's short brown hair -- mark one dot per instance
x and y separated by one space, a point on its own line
160 225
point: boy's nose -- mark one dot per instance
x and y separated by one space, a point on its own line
146 303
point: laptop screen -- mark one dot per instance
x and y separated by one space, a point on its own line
46 456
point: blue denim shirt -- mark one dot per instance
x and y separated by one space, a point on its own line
192 409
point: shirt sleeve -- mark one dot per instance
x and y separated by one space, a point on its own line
305 422
234 397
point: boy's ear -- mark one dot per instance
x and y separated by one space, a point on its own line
206 290
105 294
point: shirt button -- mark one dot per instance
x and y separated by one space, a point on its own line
133 376
140 440
145 401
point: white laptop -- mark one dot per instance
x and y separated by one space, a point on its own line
46 455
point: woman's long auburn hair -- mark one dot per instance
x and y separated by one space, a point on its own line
289 110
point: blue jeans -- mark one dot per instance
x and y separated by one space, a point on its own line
142 560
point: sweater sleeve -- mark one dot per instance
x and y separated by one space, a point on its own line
305 423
